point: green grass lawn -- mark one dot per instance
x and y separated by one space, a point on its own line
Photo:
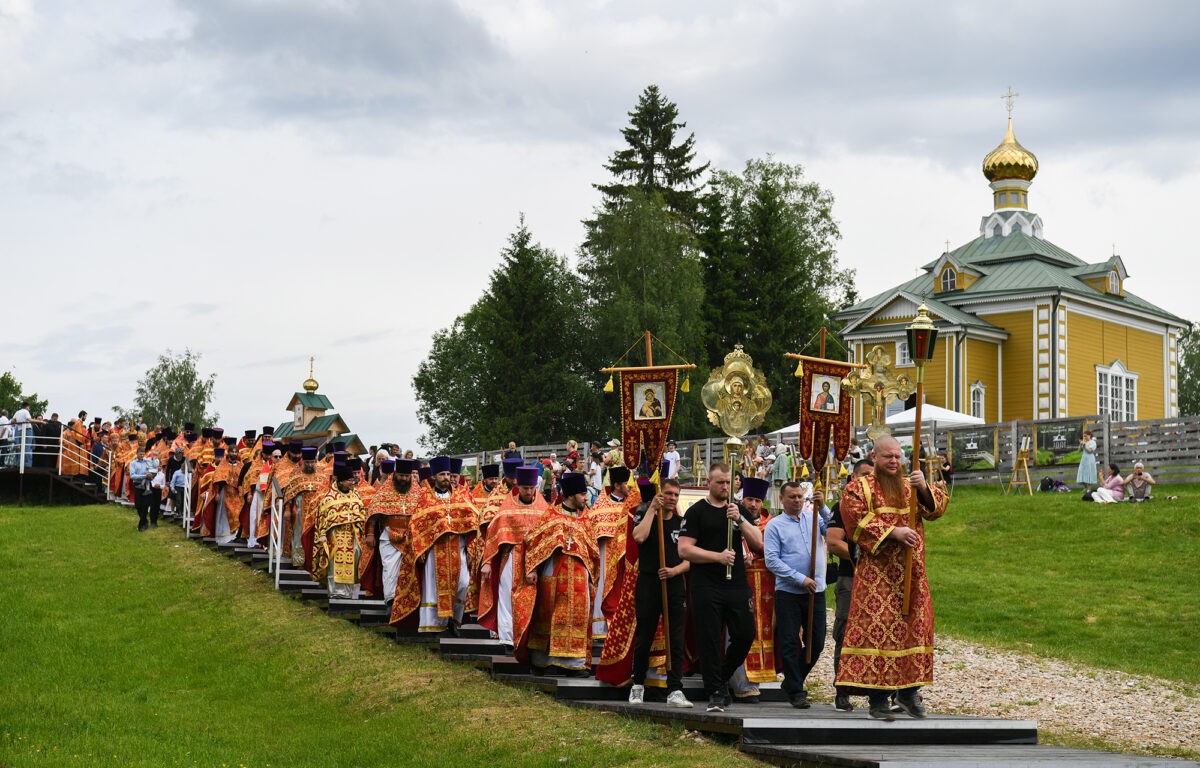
119 648
1111 585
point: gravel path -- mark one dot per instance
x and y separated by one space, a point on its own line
1135 712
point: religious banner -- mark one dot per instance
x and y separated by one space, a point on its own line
824 409
647 402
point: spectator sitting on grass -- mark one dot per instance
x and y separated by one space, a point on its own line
1138 484
1113 487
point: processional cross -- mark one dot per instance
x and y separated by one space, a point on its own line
876 385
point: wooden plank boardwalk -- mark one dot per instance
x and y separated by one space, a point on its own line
771 730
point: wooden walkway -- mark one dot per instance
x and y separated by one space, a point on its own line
771 730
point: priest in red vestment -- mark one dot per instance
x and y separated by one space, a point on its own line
506 599
441 529
883 649
562 559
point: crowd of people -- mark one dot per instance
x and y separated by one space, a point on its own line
721 589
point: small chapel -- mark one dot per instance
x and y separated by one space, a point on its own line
1027 330
314 422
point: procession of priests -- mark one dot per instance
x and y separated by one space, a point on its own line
720 589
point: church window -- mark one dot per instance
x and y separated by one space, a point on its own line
1116 392
949 279
977 392
902 356
1114 282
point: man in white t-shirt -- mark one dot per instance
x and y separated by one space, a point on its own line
22 427
673 459
5 438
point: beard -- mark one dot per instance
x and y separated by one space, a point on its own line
402 483
892 487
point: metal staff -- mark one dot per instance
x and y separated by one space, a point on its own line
922 336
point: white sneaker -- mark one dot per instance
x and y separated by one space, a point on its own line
677 699
636 692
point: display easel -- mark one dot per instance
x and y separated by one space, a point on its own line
1020 473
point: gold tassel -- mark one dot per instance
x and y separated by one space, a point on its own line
804 471
608 385
842 473
687 384
799 369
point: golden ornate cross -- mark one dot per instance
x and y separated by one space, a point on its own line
1008 98
876 385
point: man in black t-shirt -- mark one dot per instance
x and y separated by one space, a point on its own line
719 600
648 598
846 552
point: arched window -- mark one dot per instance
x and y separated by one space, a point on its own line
1114 282
977 392
949 279
1116 392
903 358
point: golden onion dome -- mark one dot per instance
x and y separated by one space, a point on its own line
310 384
1010 160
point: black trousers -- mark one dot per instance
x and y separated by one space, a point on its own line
147 502
648 607
714 608
791 618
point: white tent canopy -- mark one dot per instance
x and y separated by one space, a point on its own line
944 417
930 414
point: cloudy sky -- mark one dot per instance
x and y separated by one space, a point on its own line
262 181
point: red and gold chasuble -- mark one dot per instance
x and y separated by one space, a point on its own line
562 617
341 519
434 531
391 510
610 522
883 649
761 665
487 505
313 486
508 527
281 472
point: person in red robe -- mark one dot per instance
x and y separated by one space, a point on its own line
562 559
383 573
441 530
506 605
301 499
609 516
883 649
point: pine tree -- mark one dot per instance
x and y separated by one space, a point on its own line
654 161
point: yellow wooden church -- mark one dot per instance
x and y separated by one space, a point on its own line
1026 329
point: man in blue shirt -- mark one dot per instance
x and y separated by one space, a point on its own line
141 473
787 550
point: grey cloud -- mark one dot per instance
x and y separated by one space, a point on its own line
386 60
69 180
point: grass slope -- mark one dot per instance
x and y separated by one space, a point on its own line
119 648
1111 585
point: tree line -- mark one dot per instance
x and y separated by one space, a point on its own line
703 258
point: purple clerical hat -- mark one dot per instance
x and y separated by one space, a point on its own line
573 483
527 475
439 464
754 488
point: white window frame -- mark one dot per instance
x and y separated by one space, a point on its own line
1116 392
949 279
903 358
1114 282
980 391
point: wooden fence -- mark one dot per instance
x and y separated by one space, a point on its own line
1169 448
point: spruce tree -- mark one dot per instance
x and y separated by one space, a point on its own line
654 160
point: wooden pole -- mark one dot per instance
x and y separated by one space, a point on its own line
662 545
912 492
812 559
